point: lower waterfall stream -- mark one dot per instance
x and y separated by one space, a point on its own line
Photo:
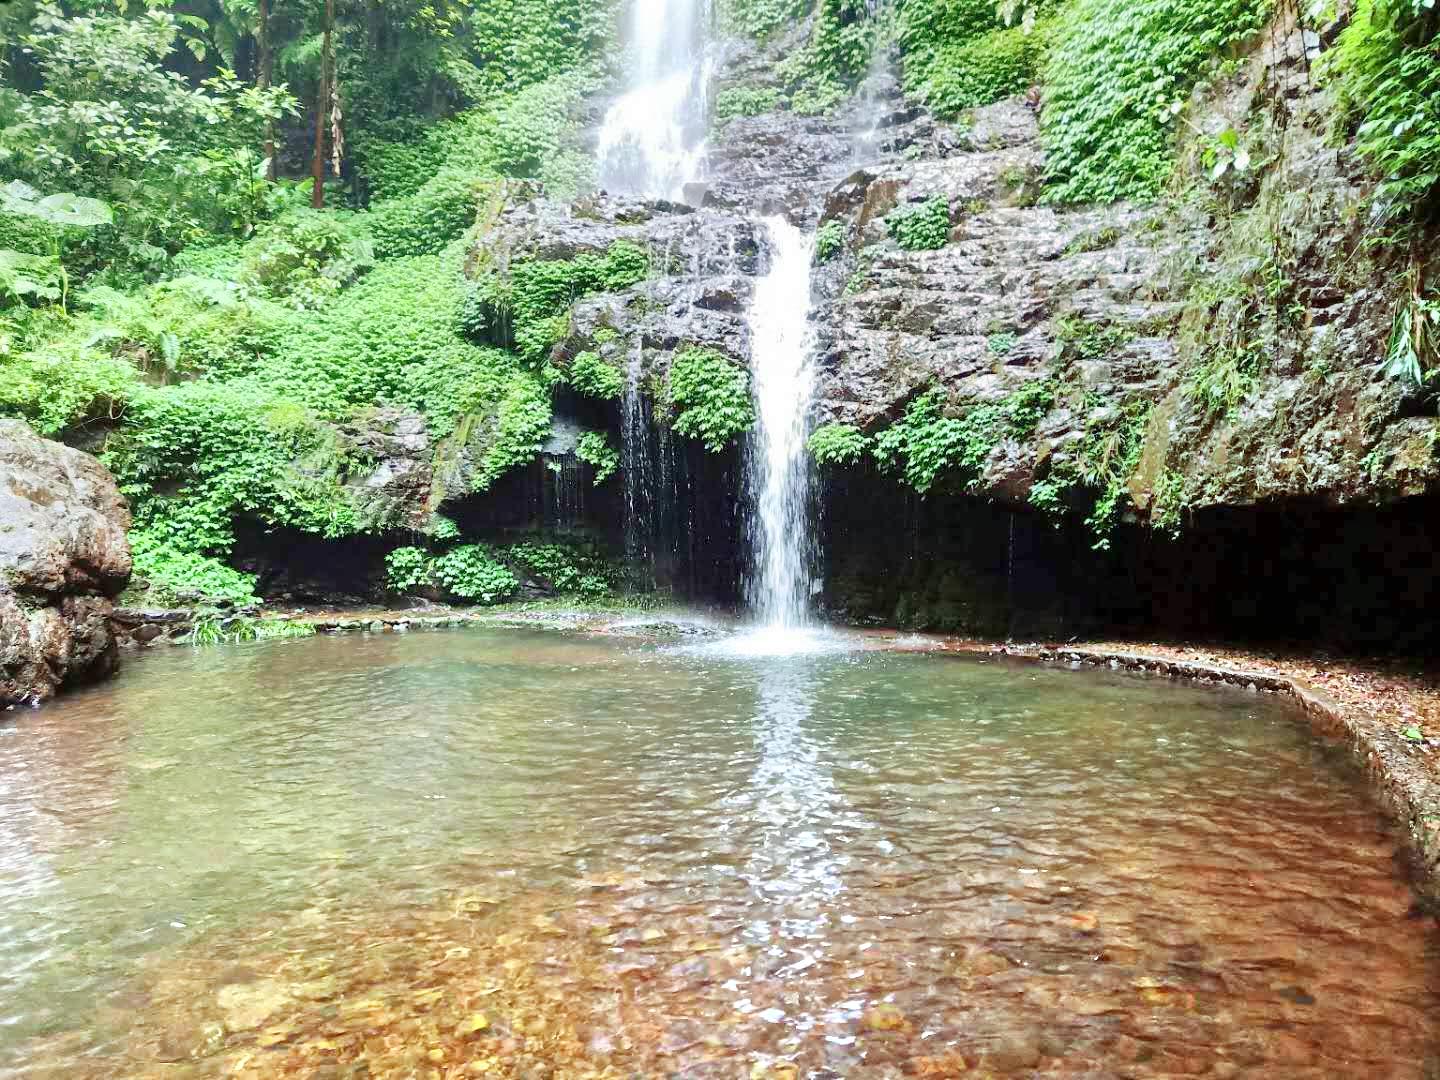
778 471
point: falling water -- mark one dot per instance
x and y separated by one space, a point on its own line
653 139
779 476
639 473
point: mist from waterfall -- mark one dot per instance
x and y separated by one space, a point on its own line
778 467
652 141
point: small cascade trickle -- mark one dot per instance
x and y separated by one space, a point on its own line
782 537
871 100
639 473
565 507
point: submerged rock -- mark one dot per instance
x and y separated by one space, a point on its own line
63 558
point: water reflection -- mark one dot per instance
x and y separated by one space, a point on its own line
803 833
688 862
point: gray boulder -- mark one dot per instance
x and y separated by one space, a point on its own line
63 558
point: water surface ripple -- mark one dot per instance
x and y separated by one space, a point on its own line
679 862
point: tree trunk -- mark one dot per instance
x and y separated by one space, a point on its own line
322 108
263 80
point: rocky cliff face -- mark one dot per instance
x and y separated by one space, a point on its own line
63 557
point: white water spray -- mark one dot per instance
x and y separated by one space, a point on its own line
652 141
782 347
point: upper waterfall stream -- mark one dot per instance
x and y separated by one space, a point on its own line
653 139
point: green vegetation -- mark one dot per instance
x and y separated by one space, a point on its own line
927 443
233 629
746 101
829 240
924 227
483 574
709 396
964 53
838 444
1100 463
595 450
1116 78
1388 64
595 377
223 325
528 308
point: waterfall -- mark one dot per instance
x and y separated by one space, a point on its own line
652 141
639 474
778 467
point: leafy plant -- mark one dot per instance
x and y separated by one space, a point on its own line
1388 64
829 240
926 443
1116 76
407 569
838 444
471 572
925 227
746 101
595 377
594 449
709 396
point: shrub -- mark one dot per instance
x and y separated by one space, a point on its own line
595 450
566 567
838 444
710 398
1117 71
192 458
406 569
1388 62
168 577
816 97
745 101
521 425
306 256
530 308
925 227
471 572
984 69
427 220
829 240
64 387
595 377
925 443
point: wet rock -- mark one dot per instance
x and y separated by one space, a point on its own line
63 558
396 492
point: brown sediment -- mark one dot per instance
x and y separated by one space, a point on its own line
1376 707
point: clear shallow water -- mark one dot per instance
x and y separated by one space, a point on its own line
289 858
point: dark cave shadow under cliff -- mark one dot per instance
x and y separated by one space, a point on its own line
1295 575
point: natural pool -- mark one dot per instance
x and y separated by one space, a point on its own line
517 853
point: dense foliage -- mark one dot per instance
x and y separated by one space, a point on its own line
1117 76
963 53
170 274
922 227
709 395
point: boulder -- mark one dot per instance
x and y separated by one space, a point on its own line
63 558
